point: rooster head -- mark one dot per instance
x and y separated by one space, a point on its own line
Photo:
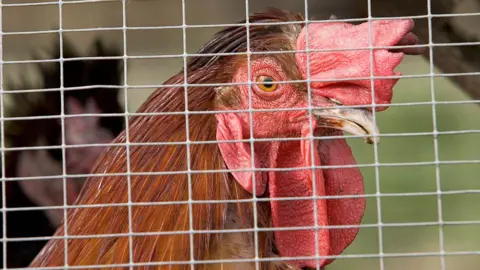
331 67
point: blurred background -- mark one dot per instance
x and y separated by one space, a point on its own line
410 230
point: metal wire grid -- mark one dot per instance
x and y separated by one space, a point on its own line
376 164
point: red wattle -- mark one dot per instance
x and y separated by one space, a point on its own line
294 213
338 182
330 212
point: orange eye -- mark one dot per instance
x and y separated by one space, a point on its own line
266 83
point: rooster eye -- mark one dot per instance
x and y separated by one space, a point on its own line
266 83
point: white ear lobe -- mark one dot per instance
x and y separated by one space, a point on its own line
81 123
74 106
76 125
91 107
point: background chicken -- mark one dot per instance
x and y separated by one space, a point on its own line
166 162
47 132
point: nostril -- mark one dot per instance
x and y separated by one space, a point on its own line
336 101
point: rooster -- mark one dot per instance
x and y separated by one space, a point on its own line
169 227
38 132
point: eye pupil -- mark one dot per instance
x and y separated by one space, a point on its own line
266 83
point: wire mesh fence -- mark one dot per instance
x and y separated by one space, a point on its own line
144 116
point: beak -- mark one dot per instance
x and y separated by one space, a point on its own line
354 121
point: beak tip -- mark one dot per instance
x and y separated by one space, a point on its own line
372 140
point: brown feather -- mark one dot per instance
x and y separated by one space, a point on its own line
169 186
